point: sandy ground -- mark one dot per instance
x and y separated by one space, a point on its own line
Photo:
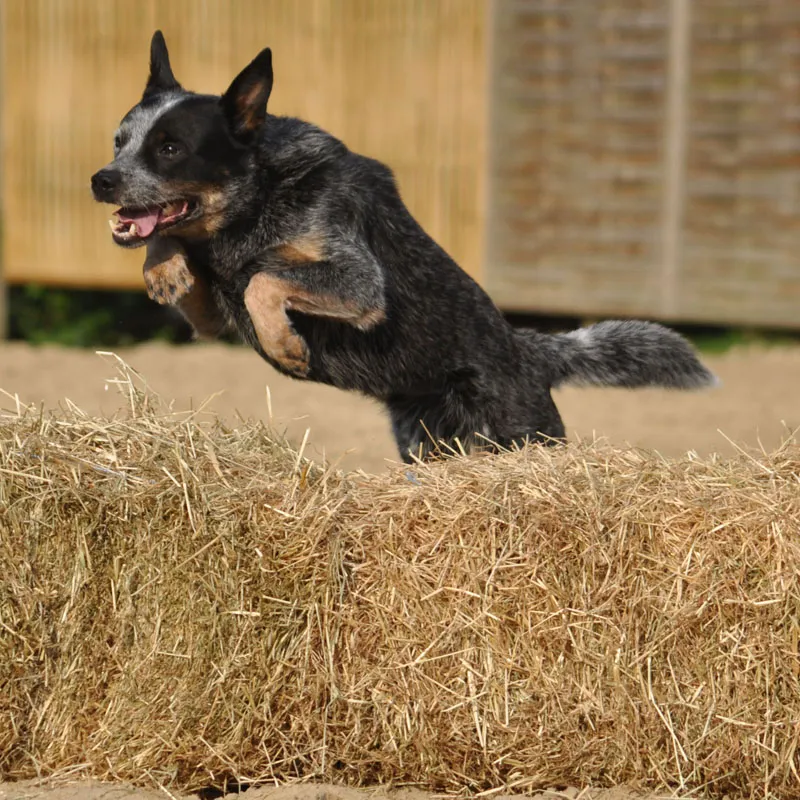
757 402
309 791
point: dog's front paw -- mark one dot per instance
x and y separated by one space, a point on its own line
168 282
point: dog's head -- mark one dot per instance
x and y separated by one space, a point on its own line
180 157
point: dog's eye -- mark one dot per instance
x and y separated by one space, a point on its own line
169 149
117 143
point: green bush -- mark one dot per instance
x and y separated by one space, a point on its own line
90 318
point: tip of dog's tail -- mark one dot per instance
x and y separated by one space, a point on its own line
628 354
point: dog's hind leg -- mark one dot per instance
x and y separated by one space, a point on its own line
437 425
409 433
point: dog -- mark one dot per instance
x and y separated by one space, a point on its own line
272 227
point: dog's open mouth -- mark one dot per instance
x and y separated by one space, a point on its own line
134 225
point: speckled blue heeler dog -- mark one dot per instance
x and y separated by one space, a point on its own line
272 227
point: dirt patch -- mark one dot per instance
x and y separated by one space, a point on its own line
756 402
29 790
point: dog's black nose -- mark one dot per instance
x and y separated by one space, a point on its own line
105 183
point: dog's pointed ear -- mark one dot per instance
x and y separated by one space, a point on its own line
245 102
161 78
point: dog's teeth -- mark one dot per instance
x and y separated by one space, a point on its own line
113 225
133 229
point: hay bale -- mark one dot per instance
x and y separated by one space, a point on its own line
190 605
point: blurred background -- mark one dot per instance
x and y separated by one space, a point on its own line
581 159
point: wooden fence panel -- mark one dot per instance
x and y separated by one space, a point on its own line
645 159
741 257
400 80
576 169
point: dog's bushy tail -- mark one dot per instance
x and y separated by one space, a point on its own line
625 353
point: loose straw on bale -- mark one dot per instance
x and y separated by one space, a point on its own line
194 605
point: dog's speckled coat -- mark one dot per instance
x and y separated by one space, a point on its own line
308 250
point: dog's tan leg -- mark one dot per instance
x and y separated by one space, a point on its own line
167 276
267 298
313 286
171 280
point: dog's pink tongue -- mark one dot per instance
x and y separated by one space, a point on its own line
146 219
